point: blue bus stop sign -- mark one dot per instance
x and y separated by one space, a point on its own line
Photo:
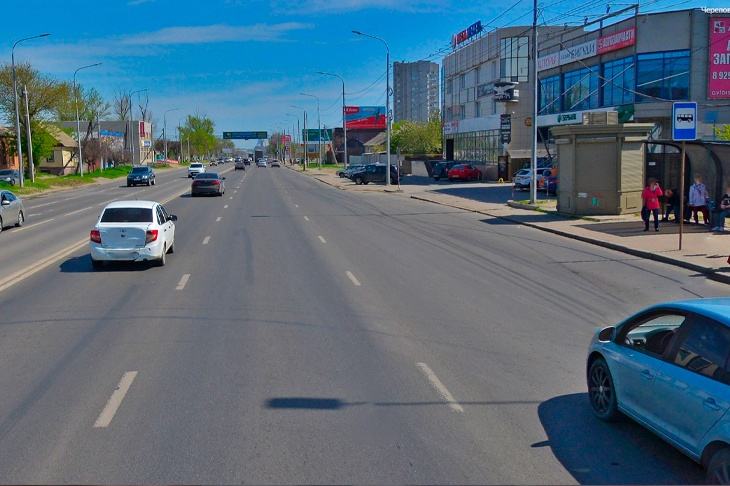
684 126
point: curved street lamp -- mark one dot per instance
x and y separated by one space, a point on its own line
344 126
78 123
387 99
131 133
17 112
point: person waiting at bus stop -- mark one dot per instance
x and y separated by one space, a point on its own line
672 205
650 195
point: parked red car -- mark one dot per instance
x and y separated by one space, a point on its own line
464 172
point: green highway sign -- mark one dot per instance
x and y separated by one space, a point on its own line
311 134
245 135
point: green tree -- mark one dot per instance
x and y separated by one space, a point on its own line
417 137
91 105
199 130
45 94
724 133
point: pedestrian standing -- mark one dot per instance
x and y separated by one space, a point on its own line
650 195
698 197
724 212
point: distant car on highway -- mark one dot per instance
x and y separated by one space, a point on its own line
261 163
275 163
666 367
208 183
240 165
141 175
132 231
195 169
11 176
11 210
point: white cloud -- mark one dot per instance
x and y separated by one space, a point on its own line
207 34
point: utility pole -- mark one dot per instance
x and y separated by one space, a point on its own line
31 167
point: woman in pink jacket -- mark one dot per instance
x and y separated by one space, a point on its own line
650 195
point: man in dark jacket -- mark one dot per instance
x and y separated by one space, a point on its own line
672 205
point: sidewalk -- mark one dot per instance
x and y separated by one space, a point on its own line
702 251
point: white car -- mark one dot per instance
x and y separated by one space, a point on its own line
195 169
132 231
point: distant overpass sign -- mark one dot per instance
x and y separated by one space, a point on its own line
245 135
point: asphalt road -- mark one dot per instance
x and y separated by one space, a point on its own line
303 334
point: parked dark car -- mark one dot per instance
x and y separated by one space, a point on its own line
374 173
441 169
208 183
11 176
141 175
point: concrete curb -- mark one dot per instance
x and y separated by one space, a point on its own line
709 272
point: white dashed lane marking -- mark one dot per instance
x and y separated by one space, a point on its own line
206 240
225 207
116 400
306 218
440 388
321 239
352 277
183 281
217 219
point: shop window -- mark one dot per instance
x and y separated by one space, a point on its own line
663 75
514 55
549 95
581 89
620 82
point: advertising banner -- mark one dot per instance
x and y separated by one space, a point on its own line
617 40
719 65
365 117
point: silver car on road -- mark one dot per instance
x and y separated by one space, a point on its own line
11 210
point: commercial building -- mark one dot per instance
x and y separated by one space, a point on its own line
478 87
128 142
415 90
636 67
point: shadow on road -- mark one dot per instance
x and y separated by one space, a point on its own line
82 264
624 452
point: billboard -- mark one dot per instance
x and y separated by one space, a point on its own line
719 65
367 117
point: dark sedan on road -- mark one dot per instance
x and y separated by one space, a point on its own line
208 183
374 173
141 175
441 169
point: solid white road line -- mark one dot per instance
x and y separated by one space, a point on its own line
26 226
439 387
352 277
321 239
217 219
306 218
116 399
183 281
206 240
40 264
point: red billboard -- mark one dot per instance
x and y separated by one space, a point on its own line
366 117
617 40
719 65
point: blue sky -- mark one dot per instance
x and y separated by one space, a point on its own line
245 63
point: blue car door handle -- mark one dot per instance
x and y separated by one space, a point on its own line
647 375
711 405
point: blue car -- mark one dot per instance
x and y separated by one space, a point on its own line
667 367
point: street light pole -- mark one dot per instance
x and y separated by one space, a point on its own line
78 123
164 130
319 128
179 136
18 147
344 123
387 100
304 132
